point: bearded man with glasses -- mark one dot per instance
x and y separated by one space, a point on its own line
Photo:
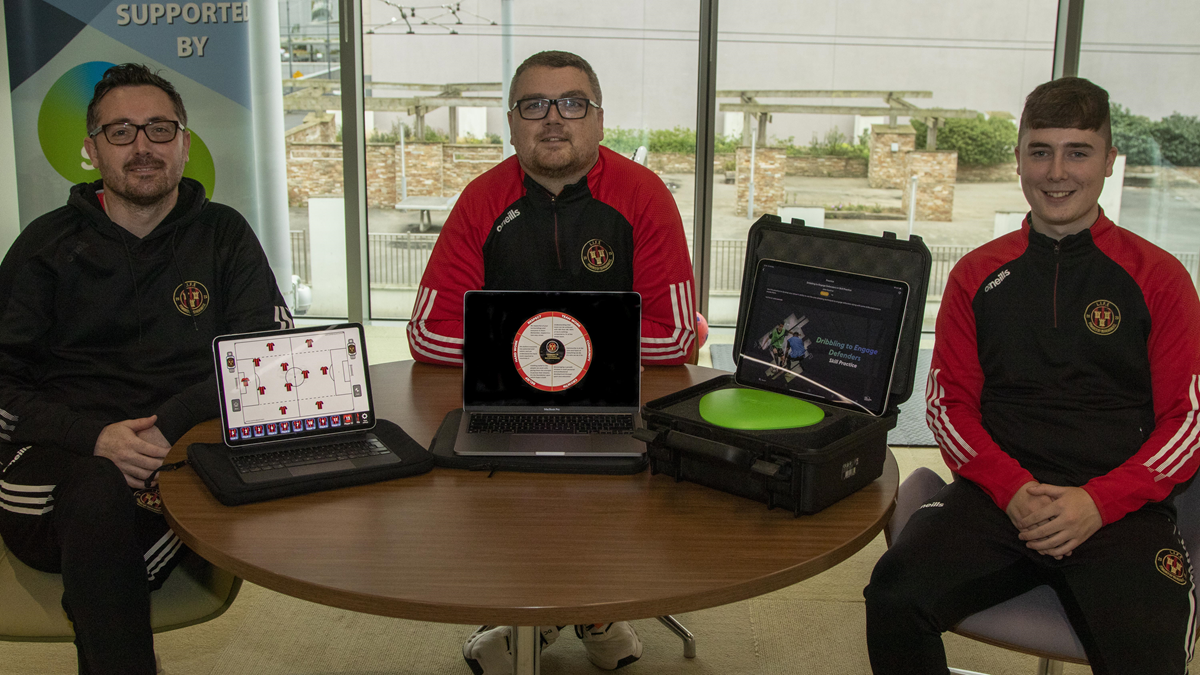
564 214
108 309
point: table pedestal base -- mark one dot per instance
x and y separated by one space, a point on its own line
526 650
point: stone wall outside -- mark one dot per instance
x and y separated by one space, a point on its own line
462 163
423 166
1175 174
313 169
383 188
827 167
996 173
684 162
769 167
886 169
935 173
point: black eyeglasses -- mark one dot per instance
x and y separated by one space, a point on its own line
124 133
568 108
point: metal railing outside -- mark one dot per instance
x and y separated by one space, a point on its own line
397 261
300 266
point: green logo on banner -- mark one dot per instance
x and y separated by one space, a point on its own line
62 126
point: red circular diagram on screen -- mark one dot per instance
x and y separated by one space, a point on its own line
552 351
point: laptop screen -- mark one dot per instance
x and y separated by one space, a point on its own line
539 350
292 384
822 334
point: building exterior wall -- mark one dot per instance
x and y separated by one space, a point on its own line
313 170
462 163
423 166
997 173
935 173
827 167
886 167
769 167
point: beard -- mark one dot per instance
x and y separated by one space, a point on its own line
144 190
560 165
561 160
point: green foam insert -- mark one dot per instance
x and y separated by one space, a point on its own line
752 409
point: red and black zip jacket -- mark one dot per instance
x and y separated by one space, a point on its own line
617 229
1072 362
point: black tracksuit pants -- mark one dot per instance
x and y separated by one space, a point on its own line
1128 598
75 516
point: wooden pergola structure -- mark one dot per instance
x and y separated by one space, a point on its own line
415 99
897 106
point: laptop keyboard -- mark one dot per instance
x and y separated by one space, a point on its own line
333 452
508 423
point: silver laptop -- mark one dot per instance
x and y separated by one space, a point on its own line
297 403
551 373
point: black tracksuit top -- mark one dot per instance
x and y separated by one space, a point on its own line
98 326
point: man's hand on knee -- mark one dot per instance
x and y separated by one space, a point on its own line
135 446
1060 527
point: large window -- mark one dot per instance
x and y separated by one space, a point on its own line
1147 55
826 111
834 100
434 78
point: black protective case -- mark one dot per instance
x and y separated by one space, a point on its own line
807 469
211 462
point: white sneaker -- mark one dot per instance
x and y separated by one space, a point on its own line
610 645
489 650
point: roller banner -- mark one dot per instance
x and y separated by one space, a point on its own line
58 50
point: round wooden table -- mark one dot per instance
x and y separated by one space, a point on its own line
516 549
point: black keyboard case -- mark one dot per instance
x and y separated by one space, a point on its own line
803 470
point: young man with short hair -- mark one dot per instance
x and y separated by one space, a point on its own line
1063 393
108 308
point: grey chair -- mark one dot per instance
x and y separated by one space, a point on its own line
1033 623
194 593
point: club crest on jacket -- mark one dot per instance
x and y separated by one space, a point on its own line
1102 317
191 298
597 256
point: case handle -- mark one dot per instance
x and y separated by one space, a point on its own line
711 450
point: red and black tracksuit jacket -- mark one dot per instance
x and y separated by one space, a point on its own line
1072 362
617 229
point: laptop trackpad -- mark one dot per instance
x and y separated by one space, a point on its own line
327 467
549 444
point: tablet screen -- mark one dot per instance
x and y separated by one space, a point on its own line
824 335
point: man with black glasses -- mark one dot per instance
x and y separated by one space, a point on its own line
108 308
564 214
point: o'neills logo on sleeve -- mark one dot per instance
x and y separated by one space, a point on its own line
508 218
191 298
597 256
996 282
1102 317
